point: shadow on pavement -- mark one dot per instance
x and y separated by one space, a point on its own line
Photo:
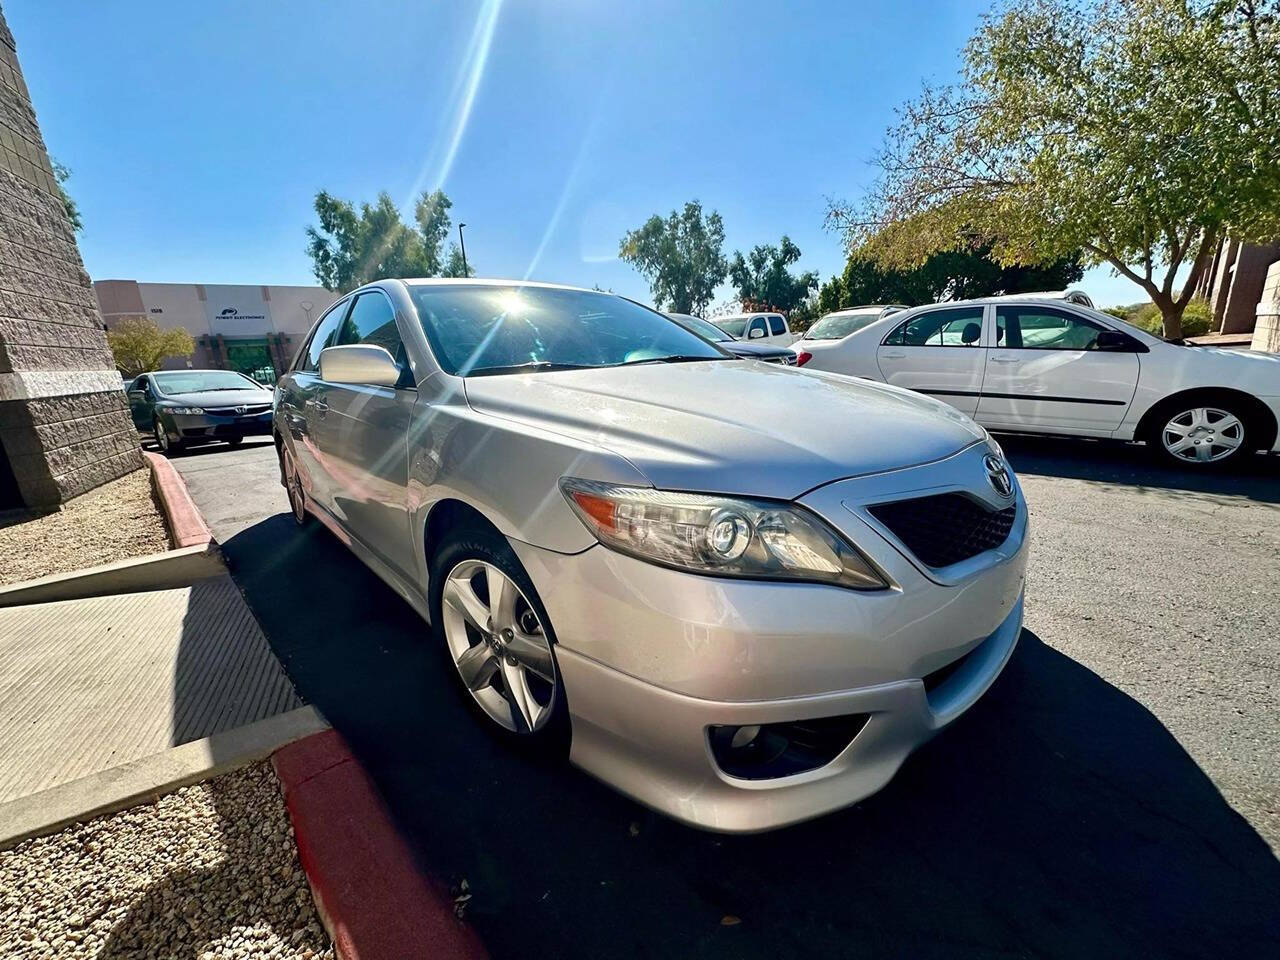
1129 464
1058 818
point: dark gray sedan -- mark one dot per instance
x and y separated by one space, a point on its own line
186 407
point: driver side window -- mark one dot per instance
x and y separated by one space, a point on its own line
1044 328
757 329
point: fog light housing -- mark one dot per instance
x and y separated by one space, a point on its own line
767 751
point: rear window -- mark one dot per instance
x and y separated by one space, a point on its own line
837 326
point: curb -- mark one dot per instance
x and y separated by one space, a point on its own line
373 900
157 571
186 526
151 777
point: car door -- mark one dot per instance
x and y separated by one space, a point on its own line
940 352
140 399
779 334
302 406
363 439
1045 373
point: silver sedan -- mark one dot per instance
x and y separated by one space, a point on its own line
739 593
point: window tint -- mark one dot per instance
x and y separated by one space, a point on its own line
1043 328
777 326
756 325
371 321
961 327
323 337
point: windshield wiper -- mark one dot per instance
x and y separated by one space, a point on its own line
535 367
676 358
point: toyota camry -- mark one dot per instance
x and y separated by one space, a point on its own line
629 558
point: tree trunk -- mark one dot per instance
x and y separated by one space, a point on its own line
1170 316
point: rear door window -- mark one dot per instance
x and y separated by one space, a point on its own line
961 327
777 326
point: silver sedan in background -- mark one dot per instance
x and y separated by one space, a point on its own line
738 618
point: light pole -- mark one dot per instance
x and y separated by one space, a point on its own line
466 272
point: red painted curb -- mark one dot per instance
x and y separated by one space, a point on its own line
186 526
372 898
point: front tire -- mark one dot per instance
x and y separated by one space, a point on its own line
488 618
1202 434
167 447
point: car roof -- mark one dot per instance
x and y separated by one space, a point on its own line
491 282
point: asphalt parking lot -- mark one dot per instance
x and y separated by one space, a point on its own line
1117 792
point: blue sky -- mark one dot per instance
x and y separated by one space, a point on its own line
198 134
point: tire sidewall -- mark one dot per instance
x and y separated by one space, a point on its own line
471 543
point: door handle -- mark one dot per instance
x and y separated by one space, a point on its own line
322 406
1006 359
896 355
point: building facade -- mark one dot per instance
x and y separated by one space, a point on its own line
64 426
1233 284
249 328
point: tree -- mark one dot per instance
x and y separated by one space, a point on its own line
62 175
454 266
948 275
138 345
680 256
762 276
1138 131
349 248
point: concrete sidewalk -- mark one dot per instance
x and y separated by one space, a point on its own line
89 684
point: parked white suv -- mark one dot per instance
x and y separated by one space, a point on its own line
757 328
1038 365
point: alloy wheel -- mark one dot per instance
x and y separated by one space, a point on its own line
162 436
293 485
499 646
1203 435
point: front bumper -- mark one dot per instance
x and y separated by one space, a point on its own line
199 428
652 658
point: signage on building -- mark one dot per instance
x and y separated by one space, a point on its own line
238 311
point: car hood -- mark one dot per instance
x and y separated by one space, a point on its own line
754 349
1249 370
744 428
219 398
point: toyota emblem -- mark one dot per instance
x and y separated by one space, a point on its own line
998 475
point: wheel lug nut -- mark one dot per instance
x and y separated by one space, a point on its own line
511 661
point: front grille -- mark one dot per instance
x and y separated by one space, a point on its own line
946 528
250 410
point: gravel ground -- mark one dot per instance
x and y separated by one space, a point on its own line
208 871
114 522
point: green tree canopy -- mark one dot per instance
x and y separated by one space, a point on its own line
351 247
1138 131
763 277
138 345
949 275
62 175
681 257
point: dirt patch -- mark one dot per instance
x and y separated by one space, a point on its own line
207 871
116 521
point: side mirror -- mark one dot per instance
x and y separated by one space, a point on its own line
755 334
1116 341
359 363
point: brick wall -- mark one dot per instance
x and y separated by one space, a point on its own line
64 426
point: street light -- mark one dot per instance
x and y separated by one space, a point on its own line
466 272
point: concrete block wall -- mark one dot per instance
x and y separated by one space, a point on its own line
64 425
1266 332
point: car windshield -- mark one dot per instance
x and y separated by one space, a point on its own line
481 329
734 326
703 328
200 381
835 326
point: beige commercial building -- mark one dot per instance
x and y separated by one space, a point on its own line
250 328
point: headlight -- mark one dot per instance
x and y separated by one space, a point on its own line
186 411
994 447
724 536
